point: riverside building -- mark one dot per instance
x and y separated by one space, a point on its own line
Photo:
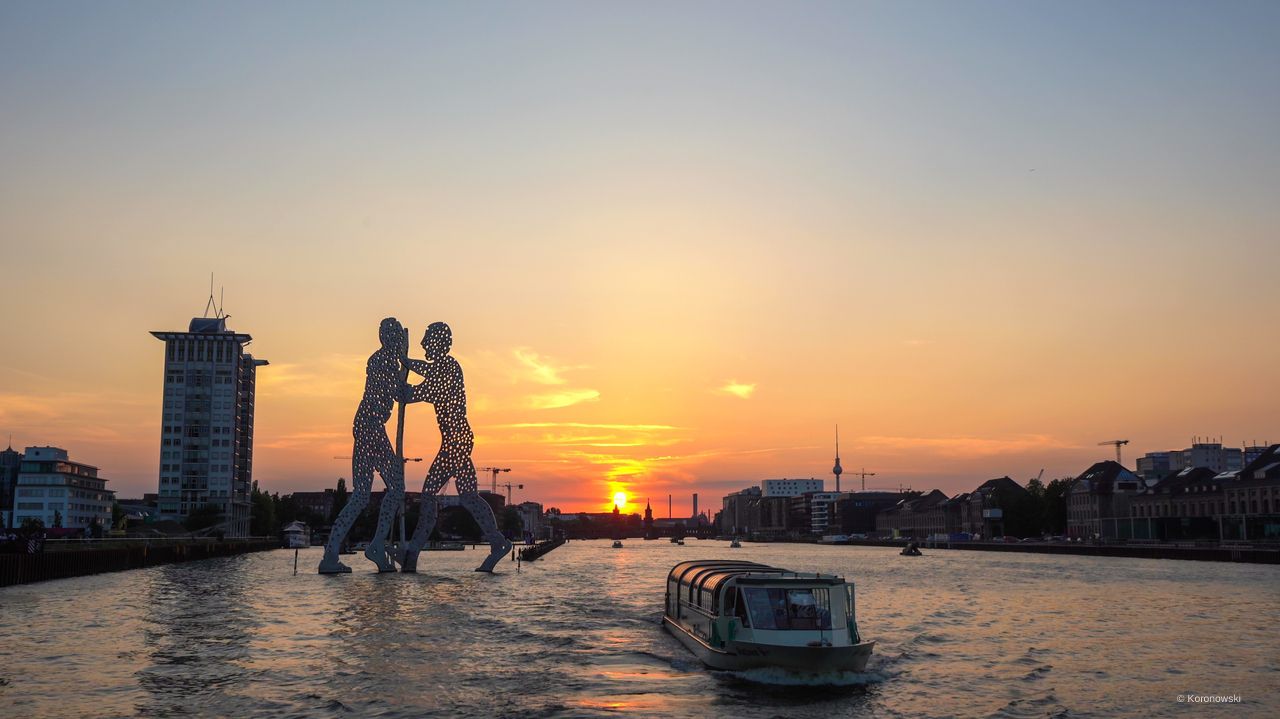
10 462
59 492
206 433
790 487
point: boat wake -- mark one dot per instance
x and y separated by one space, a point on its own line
782 677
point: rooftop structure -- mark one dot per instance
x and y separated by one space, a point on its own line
790 487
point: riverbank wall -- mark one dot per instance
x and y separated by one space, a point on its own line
1250 555
64 562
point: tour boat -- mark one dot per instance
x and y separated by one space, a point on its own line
735 544
736 615
617 544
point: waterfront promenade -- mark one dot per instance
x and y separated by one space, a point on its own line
63 559
1251 555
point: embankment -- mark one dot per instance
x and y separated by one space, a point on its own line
63 562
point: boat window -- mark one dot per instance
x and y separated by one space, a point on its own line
822 607
741 610
789 608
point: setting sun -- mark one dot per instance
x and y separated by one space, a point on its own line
620 500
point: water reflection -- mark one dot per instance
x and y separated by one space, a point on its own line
196 633
578 634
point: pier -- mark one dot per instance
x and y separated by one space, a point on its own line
61 560
535 551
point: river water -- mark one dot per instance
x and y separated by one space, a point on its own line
578 634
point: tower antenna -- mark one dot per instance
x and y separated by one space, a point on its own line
837 470
210 304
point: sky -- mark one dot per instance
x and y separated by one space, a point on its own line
677 243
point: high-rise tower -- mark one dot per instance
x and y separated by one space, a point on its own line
837 470
206 433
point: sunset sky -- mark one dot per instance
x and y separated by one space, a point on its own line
677 243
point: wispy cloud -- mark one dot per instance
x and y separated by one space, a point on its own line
588 425
965 446
567 398
742 390
334 375
318 440
541 369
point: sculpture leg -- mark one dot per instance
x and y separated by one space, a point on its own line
499 547
393 476
362 483
483 514
429 509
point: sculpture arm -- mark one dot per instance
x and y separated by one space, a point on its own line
417 366
411 393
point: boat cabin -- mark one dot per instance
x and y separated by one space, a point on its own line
722 600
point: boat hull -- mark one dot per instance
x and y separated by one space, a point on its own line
738 656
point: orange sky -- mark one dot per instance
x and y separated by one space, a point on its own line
674 254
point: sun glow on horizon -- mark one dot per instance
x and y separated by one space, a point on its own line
620 500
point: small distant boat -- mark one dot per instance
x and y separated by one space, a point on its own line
617 544
736 615
911 550
445 547
735 544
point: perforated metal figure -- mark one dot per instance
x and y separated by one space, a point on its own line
372 451
442 386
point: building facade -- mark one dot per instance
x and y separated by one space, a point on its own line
1098 501
1184 506
531 520
317 504
1253 500
736 509
916 517
821 509
855 512
790 487
1154 466
206 435
1210 455
10 464
769 518
59 492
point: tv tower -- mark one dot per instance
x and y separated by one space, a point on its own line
836 470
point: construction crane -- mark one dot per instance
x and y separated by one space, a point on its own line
495 471
864 474
508 485
1118 443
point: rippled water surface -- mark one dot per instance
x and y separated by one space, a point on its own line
966 634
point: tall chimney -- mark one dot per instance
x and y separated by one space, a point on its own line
695 504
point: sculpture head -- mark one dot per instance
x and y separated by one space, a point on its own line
437 340
391 333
